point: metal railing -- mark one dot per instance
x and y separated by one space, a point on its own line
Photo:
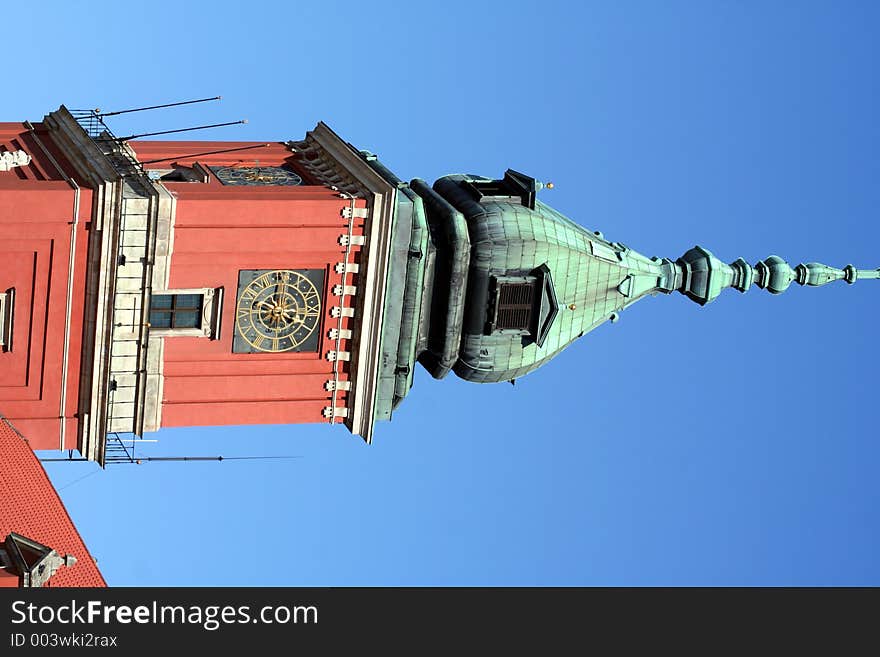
119 450
125 164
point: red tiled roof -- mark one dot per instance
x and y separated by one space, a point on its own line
31 507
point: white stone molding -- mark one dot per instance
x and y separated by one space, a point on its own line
337 312
357 213
354 240
11 159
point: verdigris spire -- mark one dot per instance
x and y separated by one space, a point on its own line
490 283
701 276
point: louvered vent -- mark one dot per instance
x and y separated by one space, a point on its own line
514 306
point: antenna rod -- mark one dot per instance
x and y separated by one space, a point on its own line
191 155
185 458
151 107
168 132
212 458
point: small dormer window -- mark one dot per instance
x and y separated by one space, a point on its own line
514 307
33 562
494 190
523 305
515 187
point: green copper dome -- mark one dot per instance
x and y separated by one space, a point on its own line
487 281
513 241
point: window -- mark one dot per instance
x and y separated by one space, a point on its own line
515 187
186 312
7 305
522 305
180 173
176 311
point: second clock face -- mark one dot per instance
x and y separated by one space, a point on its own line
278 310
257 176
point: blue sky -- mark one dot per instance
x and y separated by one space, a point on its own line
734 444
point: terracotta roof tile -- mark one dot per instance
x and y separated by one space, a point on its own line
31 507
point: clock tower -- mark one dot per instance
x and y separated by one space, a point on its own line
149 284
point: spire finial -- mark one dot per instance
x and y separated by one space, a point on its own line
701 276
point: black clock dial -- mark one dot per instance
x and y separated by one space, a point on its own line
278 310
257 175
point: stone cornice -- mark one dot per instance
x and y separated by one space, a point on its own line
381 197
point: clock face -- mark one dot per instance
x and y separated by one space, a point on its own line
257 176
278 310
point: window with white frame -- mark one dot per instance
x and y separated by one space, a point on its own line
192 312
